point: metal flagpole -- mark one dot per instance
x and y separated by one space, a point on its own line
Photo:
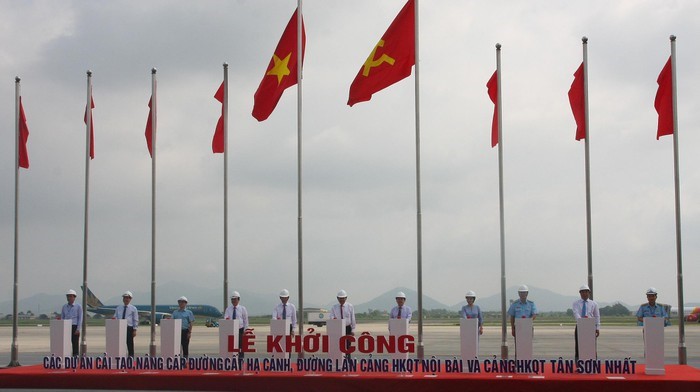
419 216
88 131
300 272
14 357
589 237
504 341
154 115
225 116
682 354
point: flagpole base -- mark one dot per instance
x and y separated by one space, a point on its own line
682 355
421 351
152 349
14 362
83 348
504 351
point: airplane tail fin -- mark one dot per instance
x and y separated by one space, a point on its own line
91 299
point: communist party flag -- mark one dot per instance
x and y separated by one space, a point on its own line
664 101
149 129
281 72
217 143
23 136
492 86
391 59
92 127
577 99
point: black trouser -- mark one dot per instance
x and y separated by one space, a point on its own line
130 341
241 332
185 342
348 331
74 339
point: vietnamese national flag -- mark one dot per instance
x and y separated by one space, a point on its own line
664 101
149 129
281 72
217 143
391 59
23 156
92 127
577 99
492 86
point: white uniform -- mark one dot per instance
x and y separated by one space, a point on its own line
291 313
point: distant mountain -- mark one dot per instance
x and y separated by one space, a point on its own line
166 294
262 304
41 303
257 304
387 301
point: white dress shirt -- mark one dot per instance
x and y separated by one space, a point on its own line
132 315
241 315
72 312
348 314
405 312
277 312
592 310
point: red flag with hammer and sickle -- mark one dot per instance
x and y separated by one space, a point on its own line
391 59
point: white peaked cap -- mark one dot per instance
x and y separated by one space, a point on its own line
342 294
470 294
400 294
584 287
235 294
183 298
651 291
284 293
128 294
71 292
523 288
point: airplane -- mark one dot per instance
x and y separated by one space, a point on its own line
94 305
690 313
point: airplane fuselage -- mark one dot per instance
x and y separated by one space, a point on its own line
197 310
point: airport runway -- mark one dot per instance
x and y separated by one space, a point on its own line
442 341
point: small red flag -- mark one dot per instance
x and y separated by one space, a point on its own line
492 86
281 72
577 99
217 143
664 101
23 136
149 129
92 127
391 60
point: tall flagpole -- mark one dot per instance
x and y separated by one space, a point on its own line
225 117
589 236
504 341
682 354
88 133
154 115
14 357
419 216
300 271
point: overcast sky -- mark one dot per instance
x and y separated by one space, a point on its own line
358 163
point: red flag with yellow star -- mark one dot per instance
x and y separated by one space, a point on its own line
92 127
217 143
23 136
664 101
391 59
282 71
492 86
577 99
